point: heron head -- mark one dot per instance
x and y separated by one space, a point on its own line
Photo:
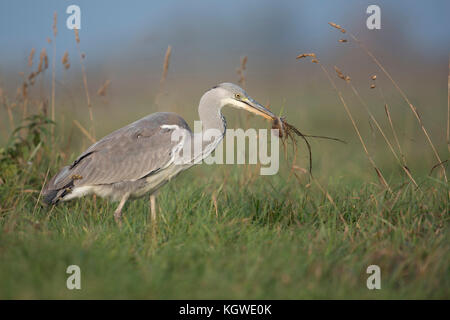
234 96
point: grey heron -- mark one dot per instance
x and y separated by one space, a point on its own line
141 157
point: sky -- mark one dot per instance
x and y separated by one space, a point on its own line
215 26
125 41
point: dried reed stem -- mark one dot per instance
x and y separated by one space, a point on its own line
411 106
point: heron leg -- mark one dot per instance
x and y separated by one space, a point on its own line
118 212
153 209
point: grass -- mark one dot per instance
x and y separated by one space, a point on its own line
224 232
257 245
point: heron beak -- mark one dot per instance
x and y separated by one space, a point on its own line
254 107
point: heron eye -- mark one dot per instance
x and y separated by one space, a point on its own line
237 96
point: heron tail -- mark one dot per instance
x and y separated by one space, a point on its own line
53 192
50 197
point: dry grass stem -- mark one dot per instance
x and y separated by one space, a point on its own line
372 117
347 110
288 133
85 83
341 75
391 124
102 90
404 96
42 188
84 131
55 32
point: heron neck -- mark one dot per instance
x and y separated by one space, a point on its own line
213 124
210 115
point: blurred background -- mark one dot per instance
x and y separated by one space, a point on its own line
125 42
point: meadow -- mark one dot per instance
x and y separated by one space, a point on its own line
224 231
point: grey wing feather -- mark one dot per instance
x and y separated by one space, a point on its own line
127 154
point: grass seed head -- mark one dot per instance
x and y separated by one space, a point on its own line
31 77
304 55
43 61
65 60
24 90
334 25
341 75
30 57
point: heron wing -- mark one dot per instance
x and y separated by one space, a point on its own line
127 154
